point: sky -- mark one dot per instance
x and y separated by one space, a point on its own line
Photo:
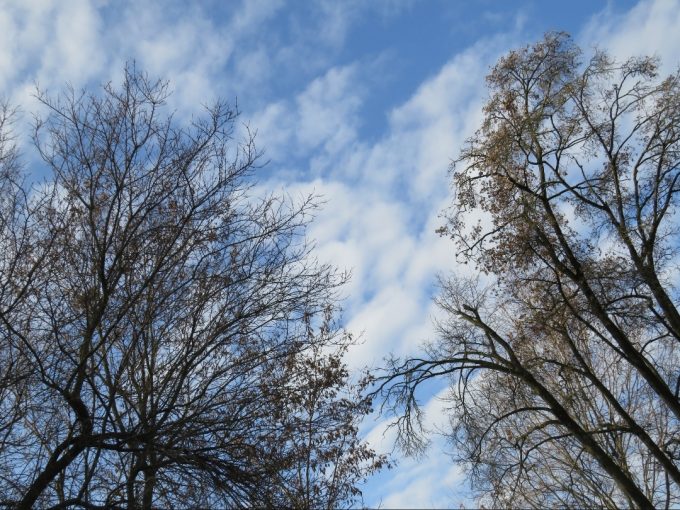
364 103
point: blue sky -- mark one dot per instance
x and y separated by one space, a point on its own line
362 102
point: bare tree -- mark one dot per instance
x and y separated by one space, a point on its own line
321 412
153 309
564 362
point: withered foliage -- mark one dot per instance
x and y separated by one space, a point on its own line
563 353
167 340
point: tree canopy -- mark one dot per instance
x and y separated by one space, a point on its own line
167 338
562 350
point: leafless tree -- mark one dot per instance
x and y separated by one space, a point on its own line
563 354
320 413
161 324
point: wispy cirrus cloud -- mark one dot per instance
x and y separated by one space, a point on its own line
649 28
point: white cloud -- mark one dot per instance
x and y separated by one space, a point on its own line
430 480
382 200
252 14
253 66
48 43
319 123
327 111
75 53
652 27
87 42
